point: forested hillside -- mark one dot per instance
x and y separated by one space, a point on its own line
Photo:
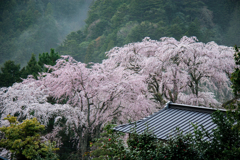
75 99
30 26
117 22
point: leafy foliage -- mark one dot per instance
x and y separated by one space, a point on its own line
108 23
222 143
47 59
235 77
30 26
133 82
36 26
142 145
23 140
109 145
226 138
10 74
49 155
32 67
27 100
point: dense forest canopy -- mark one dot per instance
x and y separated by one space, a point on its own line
74 101
151 52
113 23
29 26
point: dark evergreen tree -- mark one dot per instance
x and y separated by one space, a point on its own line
32 67
30 26
10 74
89 53
124 21
226 138
235 77
233 32
24 73
110 45
194 30
48 59
220 143
121 16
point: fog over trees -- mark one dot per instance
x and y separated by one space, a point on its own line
77 65
31 26
113 23
133 82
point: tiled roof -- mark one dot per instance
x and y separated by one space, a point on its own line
165 121
1 158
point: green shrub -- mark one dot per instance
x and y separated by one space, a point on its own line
23 139
222 143
109 145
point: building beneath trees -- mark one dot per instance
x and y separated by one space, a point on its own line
1 158
164 122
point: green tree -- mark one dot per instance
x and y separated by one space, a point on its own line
74 45
235 77
225 143
23 139
145 29
220 143
10 74
177 28
119 17
48 59
138 8
107 18
141 145
24 73
233 104
110 45
233 33
49 10
32 67
99 28
194 29
109 145
89 53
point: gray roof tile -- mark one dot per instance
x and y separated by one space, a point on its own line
165 121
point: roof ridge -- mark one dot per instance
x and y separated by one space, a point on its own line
140 120
172 105
191 107
173 115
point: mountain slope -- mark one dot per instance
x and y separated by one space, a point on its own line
30 26
117 22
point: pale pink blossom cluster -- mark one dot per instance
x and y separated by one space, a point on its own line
185 71
28 100
130 84
102 93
